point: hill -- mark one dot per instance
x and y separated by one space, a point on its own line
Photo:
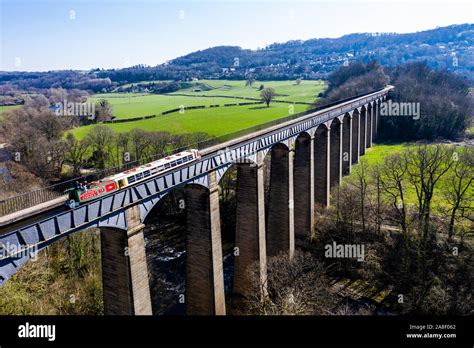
449 48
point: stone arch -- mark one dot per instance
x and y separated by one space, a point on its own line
165 234
249 159
305 134
150 204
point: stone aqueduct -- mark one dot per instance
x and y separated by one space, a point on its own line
309 155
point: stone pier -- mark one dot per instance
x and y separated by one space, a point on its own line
280 219
304 186
124 269
204 268
250 227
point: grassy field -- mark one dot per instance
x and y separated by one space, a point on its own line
287 90
129 105
215 121
141 83
377 154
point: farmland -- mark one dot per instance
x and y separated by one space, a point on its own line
213 121
286 90
129 105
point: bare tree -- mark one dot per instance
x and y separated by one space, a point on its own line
100 139
249 82
159 141
103 111
57 95
457 185
347 204
393 181
122 151
425 165
267 95
376 173
140 141
35 134
76 152
360 182
295 287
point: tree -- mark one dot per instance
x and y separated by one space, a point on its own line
121 145
139 140
360 182
159 141
425 166
444 99
57 95
100 139
103 111
75 153
378 197
393 181
295 287
267 95
34 132
249 82
457 185
355 79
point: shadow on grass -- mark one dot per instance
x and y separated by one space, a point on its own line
259 107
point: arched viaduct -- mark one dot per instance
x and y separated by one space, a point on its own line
308 155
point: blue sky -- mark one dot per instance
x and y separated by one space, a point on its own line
83 34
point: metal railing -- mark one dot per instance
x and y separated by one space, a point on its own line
36 197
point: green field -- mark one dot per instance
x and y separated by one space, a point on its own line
141 83
129 105
6 108
213 121
378 153
287 90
